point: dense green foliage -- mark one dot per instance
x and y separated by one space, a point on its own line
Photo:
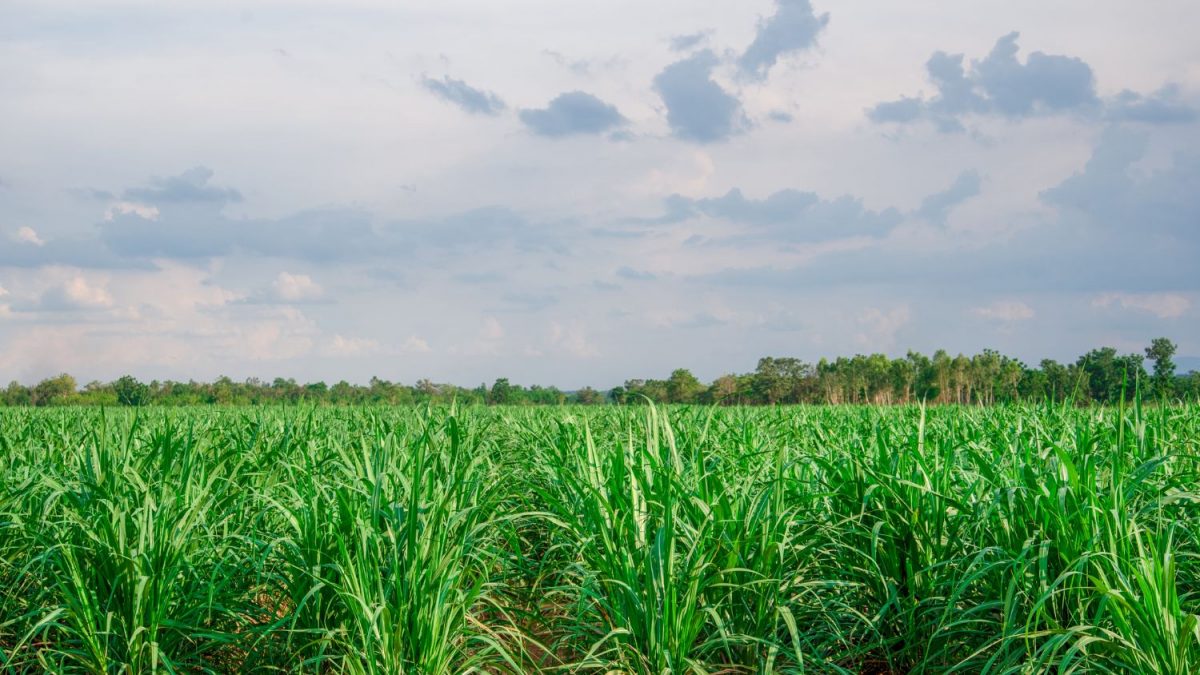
638 539
1101 376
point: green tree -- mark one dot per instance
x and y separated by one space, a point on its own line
17 394
501 392
1160 352
588 396
683 387
131 392
54 391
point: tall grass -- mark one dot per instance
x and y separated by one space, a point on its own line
646 540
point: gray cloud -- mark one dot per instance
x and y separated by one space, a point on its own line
793 27
1115 230
526 302
682 43
901 110
463 95
1107 195
999 84
626 272
189 187
788 215
572 113
1045 82
577 66
189 223
76 251
197 232
698 109
1164 106
935 207
480 277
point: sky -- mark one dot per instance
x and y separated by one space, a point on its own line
570 193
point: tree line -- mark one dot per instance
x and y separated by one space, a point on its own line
1100 376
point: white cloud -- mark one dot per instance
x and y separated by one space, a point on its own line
278 335
1005 310
415 345
492 330
296 288
27 235
878 329
76 293
1161 305
122 208
571 340
344 346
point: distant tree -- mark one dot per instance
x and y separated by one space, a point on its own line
724 389
770 383
588 396
343 392
1108 374
54 391
683 387
131 392
501 392
17 394
1160 352
617 395
316 391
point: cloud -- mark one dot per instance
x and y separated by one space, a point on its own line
576 66
189 187
902 110
27 235
76 294
999 85
626 272
879 329
199 229
202 232
1045 82
296 288
1164 106
572 113
527 302
342 346
143 211
415 345
682 43
1107 195
1005 310
788 215
571 340
698 109
793 27
1111 228
479 277
935 207
1161 305
492 329
472 100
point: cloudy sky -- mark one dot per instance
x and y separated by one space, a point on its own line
577 193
